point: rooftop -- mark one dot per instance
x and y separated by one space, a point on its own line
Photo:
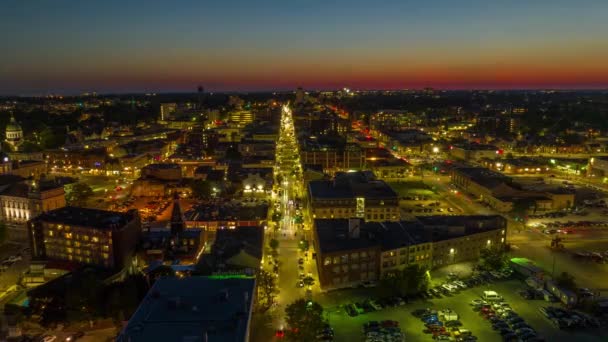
86 217
333 234
163 166
350 185
193 309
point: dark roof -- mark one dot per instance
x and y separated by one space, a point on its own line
229 242
17 190
163 166
188 309
87 217
333 234
350 185
483 176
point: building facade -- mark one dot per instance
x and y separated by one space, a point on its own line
356 194
86 236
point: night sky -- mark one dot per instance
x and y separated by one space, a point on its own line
61 46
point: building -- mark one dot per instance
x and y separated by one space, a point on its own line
334 158
22 200
350 251
165 172
166 109
501 192
241 117
236 250
475 152
13 134
353 194
87 236
193 309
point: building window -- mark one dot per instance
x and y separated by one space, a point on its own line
326 262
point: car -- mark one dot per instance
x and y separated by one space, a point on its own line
500 326
419 313
48 338
300 284
375 305
435 292
452 324
369 284
521 325
300 261
525 331
351 310
440 337
75 336
478 301
280 333
371 326
511 337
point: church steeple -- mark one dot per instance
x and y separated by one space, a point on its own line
177 219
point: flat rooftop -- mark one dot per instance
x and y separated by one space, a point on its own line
86 217
350 185
333 234
193 309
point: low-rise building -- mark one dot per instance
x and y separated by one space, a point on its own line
501 192
193 309
87 236
475 151
350 251
353 194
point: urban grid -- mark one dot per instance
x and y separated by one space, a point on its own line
342 171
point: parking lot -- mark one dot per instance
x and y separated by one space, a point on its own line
349 328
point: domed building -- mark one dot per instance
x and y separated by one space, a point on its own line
14 134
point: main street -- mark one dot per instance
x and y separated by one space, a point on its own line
288 190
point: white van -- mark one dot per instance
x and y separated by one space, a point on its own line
491 296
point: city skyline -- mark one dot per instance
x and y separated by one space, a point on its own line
69 48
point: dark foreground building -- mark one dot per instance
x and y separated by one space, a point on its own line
193 309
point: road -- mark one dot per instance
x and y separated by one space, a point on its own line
288 186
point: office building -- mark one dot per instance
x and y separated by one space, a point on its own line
86 236
353 194
351 251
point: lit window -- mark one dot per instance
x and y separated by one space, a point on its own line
95 239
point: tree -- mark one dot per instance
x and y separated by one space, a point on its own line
3 232
308 281
267 289
411 280
78 193
274 244
304 245
201 188
277 216
305 319
521 207
493 259
566 280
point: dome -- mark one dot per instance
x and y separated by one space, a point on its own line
13 126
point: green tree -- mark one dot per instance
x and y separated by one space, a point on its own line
305 319
304 245
308 281
493 258
274 244
267 289
201 188
277 216
566 280
521 206
78 193
411 280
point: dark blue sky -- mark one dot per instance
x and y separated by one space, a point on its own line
75 46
